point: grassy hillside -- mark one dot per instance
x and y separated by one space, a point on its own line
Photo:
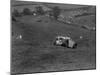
44 29
35 51
85 20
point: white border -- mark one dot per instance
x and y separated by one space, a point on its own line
5 37
84 2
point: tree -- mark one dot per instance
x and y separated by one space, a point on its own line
16 13
56 12
27 11
13 18
39 10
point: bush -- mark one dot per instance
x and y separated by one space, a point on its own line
16 13
39 10
56 12
27 11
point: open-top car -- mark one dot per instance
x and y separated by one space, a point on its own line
65 41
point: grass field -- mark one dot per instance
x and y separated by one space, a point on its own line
35 52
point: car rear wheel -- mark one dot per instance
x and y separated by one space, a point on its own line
75 45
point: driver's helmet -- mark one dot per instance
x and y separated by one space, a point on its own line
61 39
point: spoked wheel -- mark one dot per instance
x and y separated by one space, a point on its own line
75 45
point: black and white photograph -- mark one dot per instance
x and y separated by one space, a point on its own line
52 37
